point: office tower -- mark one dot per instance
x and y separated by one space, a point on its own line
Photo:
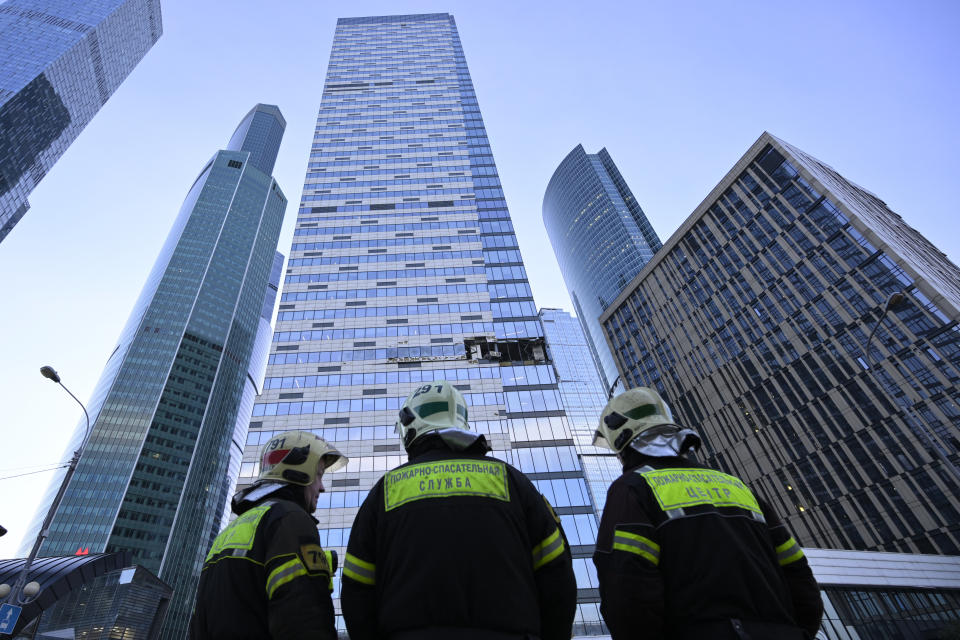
404 268
171 410
60 60
584 397
753 322
601 238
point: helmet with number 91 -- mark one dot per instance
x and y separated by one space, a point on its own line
431 407
295 457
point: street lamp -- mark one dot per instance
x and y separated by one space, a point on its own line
895 300
50 373
22 592
612 387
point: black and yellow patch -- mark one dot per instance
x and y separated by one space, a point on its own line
314 559
444 479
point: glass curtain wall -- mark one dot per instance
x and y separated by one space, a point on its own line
404 268
754 322
158 469
60 61
601 238
584 398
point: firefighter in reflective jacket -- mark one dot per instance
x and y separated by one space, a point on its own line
688 552
266 575
455 544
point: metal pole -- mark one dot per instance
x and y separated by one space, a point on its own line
894 300
612 387
15 593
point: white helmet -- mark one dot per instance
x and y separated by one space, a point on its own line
634 413
295 457
432 407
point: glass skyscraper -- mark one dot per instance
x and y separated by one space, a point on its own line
601 238
753 322
60 60
404 268
171 410
584 396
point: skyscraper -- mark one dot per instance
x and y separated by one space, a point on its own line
584 396
601 238
171 410
753 322
404 268
60 60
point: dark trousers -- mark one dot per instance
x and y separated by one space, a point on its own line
735 629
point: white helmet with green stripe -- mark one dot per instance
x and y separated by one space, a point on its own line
436 407
641 419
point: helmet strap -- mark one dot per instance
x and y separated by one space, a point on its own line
460 439
296 477
664 441
454 439
409 437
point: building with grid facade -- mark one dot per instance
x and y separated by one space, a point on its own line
752 322
584 397
171 410
404 268
601 238
60 60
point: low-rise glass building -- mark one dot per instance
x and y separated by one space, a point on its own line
90 597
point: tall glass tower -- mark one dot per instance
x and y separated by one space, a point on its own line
171 410
601 238
60 60
764 323
405 268
584 397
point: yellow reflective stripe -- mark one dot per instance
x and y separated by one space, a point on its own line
359 570
789 552
240 533
443 479
678 488
632 543
284 574
210 564
548 549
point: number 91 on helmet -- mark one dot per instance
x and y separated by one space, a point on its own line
431 407
296 456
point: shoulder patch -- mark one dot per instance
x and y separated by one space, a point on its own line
679 488
314 559
444 479
553 513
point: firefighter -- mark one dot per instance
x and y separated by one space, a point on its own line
455 544
688 552
266 575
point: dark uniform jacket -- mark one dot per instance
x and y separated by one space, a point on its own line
457 545
689 552
266 576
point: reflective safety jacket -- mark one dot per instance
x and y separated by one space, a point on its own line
266 576
457 545
689 552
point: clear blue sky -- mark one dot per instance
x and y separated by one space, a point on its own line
676 91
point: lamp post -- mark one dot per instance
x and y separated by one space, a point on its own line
612 387
21 588
895 300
